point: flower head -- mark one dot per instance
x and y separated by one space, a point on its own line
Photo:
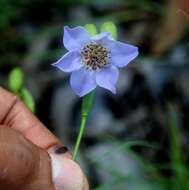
93 60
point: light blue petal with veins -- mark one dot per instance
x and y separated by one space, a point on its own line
107 78
71 61
121 53
83 81
75 38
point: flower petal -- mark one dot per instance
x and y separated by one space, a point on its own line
107 78
75 38
82 81
102 38
121 53
71 61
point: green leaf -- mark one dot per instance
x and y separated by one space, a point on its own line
179 167
91 28
16 79
109 27
28 99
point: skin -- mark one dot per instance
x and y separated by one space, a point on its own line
27 150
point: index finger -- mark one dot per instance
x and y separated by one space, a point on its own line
14 114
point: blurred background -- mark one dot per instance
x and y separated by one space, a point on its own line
135 140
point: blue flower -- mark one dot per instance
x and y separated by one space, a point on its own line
93 60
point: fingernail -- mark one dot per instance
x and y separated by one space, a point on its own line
66 173
61 149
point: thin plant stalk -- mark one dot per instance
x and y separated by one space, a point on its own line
85 109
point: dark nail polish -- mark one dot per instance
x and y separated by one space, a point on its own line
61 149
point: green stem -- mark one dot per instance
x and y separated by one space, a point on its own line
80 135
86 106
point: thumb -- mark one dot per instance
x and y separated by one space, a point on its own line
25 166
22 164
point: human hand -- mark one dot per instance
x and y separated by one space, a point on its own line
31 157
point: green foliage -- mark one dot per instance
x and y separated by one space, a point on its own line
109 27
105 27
16 79
179 168
16 85
91 28
27 97
7 12
155 180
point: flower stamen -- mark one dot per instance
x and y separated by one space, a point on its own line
95 56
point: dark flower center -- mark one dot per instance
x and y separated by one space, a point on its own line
95 56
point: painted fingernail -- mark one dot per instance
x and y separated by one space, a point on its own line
61 150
